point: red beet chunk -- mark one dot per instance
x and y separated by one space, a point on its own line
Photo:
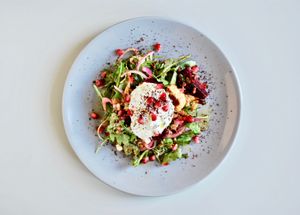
194 86
201 91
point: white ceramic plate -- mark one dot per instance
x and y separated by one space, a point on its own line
176 39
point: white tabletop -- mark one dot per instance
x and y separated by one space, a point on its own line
40 174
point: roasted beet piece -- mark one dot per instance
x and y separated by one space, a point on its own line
194 86
188 74
200 92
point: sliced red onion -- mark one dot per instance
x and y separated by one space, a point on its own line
105 101
198 119
179 131
150 145
178 121
136 51
118 89
142 60
148 71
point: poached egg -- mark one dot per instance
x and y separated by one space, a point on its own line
152 111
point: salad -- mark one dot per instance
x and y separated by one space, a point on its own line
150 106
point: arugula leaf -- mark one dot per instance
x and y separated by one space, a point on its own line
133 138
185 155
174 77
159 151
97 91
136 161
195 127
118 71
185 138
189 63
112 119
189 111
123 138
168 142
131 149
171 156
167 66
112 137
117 95
163 80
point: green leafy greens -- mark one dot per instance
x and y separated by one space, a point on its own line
117 81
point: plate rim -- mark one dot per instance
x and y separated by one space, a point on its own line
235 80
